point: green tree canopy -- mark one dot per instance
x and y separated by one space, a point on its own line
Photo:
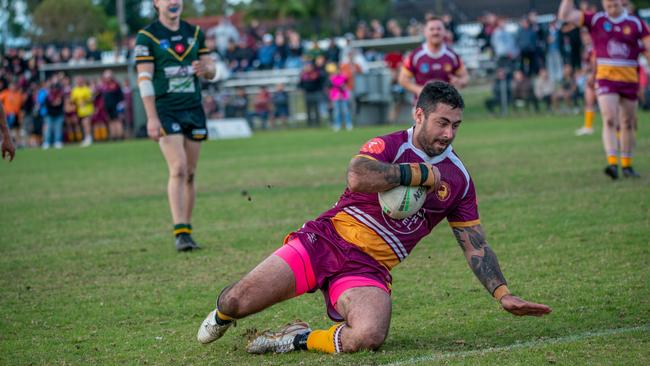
67 20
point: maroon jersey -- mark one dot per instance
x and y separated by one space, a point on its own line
357 218
617 45
424 65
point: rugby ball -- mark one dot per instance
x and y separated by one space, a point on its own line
402 201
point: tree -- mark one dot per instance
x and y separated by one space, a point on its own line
67 20
278 9
133 19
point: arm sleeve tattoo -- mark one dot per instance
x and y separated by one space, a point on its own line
480 257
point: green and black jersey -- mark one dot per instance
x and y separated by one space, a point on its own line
172 53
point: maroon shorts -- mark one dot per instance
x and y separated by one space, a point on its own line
320 259
625 90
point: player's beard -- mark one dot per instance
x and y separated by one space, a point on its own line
435 147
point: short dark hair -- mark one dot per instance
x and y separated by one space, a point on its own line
435 92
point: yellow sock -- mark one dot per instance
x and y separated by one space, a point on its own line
326 340
223 316
626 162
589 119
612 160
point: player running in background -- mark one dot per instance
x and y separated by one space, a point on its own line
171 56
618 39
588 68
348 251
8 149
433 60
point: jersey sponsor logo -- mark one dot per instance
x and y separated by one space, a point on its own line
178 71
424 68
176 127
607 26
141 50
435 66
164 44
176 38
443 192
374 146
617 49
407 225
179 48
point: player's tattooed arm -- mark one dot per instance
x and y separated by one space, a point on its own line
480 256
368 175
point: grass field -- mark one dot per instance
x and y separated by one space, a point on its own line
89 274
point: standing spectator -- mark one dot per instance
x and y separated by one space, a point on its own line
224 34
92 53
571 45
12 100
376 29
237 105
53 128
553 52
29 127
266 53
450 25
82 97
544 87
312 84
78 56
504 46
111 92
280 99
527 44
339 96
488 25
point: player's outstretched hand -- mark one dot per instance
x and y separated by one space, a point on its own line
520 307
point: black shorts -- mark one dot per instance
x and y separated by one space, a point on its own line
189 122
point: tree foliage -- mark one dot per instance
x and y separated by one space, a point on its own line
67 20
134 20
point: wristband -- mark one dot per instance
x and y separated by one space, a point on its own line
416 174
500 292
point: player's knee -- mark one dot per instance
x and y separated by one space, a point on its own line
610 122
628 123
235 303
190 177
365 338
178 172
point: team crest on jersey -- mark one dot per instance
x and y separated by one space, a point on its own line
627 30
424 68
447 67
176 127
443 192
164 44
374 146
607 26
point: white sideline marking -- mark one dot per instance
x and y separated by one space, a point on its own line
529 344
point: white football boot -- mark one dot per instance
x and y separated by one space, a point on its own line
583 131
280 341
210 331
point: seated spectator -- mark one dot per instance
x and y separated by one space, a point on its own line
522 92
237 106
262 106
280 99
501 93
393 28
544 88
566 92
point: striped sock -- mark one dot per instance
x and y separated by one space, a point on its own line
328 341
181 229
